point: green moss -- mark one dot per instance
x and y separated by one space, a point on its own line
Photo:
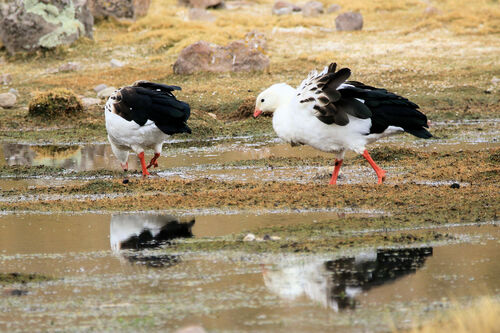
56 103
10 278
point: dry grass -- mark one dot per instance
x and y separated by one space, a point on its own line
481 317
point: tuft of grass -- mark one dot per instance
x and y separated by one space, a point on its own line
56 103
9 278
480 317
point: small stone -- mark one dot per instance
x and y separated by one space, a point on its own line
116 63
200 14
431 11
120 9
7 100
333 8
90 101
70 67
284 7
455 185
105 93
349 21
100 87
125 181
191 329
6 79
249 238
495 80
213 115
14 91
275 238
266 237
204 4
312 9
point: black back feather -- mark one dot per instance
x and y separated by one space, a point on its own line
148 100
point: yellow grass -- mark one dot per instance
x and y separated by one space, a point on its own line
481 317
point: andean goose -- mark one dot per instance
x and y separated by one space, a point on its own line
334 115
142 116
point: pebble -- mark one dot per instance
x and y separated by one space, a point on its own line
249 238
7 100
125 181
105 93
116 63
455 185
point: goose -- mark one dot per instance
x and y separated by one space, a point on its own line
143 116
334 115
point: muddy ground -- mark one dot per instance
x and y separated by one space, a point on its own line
62 192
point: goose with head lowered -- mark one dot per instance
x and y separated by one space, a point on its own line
334 115
143 116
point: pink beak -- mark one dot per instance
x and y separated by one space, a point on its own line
257 113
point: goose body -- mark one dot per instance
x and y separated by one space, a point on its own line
143 116
334 115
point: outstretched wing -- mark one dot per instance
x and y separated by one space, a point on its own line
320 89
153 101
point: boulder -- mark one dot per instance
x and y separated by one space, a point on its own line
349 21
204 4
312 9
333 8
119 9
32 25
205 57
200 14
7 100
89 101
106 92
281 7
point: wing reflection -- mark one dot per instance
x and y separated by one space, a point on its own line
336 283
138 232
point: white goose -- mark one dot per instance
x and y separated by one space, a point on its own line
333 115
142 116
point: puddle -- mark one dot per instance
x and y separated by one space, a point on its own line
110 274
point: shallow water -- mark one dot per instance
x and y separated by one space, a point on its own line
112 274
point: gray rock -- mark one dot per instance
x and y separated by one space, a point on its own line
14 91
116 63
100 87
333 8
6 79
70 67
106 92
205 57
349 21
200 14
120 9
89 101
281 7
312 9
7 100
204 4
32 25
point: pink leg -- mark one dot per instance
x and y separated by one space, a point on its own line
143 164
153 161
378 170
335 174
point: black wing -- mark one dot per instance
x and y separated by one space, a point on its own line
153 101
330 106
388 109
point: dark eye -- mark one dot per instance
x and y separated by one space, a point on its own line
262 100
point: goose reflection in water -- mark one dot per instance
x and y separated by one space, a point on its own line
336 283
138 232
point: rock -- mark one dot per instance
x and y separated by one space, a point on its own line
333 8
191 329
312 9
200 14
455 185
119 9
116 63
431 11
281 7
249 238
7 100
89 101
100 87
349 21
106 92
495 80
205 57
36 24
204 4
256 40
14 91
70 67
6 79
213 115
